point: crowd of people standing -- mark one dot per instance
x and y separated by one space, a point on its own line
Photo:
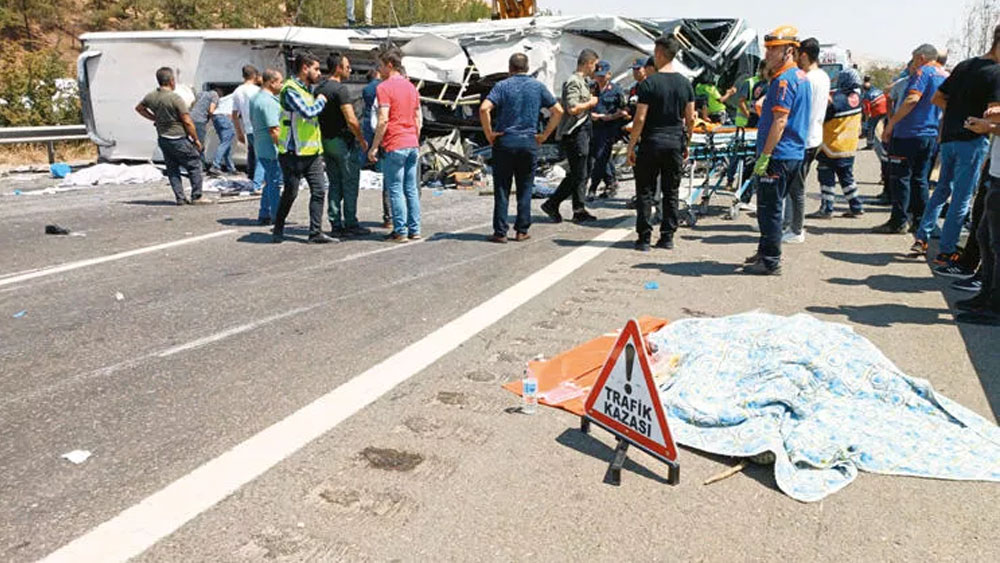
305 127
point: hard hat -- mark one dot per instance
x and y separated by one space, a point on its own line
783 35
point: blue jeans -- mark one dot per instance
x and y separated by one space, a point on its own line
272 180
201 129
224 152
910 161
515 163
399 169
772 189
254 170
961 162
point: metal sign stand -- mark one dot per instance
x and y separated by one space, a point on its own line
614 473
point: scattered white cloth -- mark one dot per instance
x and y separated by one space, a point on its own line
106 173
371 180
227 185
77 456
546 185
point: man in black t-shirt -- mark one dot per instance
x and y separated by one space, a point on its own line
971 88
342 141
663 121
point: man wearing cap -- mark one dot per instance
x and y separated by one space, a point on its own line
912 135
638 74
642 69
781 144
609 117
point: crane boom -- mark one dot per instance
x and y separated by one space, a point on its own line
504 9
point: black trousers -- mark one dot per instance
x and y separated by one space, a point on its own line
577 149
664 162
989 240
971 254
601 168
293 169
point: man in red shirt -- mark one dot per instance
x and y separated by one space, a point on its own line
398 133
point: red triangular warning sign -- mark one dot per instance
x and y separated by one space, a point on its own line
625 399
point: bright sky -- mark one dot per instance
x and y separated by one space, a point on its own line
886 29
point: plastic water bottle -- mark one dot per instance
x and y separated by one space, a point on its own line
529 390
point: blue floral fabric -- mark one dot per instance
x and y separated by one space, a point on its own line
823 399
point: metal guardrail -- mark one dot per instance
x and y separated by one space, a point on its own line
47 135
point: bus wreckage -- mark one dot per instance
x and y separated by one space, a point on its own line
453 65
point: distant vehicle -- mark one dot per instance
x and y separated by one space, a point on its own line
832 59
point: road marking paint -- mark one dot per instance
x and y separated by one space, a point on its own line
246 327
110 258
222 335
139 527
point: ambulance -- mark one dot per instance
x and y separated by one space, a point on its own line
832 59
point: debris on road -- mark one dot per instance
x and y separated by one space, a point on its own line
56 230
229 187
119 296
60 170
652 285
20 314
754 384
77 456
547 179
370 180
451 161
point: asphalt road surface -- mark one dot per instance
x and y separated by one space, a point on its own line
244 401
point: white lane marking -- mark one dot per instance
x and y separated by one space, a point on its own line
139 527
22 272
246 327
231 332
109 258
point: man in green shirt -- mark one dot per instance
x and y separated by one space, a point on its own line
176 135
713 106
574 133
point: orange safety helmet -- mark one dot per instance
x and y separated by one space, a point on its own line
783 35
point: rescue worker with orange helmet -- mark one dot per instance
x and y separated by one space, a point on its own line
781 144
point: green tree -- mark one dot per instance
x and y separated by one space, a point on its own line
24 19
30 91
882 76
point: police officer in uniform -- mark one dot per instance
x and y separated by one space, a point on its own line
609 115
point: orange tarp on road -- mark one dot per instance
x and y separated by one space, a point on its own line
565 380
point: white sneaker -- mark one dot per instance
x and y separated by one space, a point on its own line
792 238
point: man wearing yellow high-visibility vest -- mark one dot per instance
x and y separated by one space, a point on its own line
300 147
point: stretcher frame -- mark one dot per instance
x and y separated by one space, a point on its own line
707 150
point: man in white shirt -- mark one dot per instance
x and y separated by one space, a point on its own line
241 120
819 81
